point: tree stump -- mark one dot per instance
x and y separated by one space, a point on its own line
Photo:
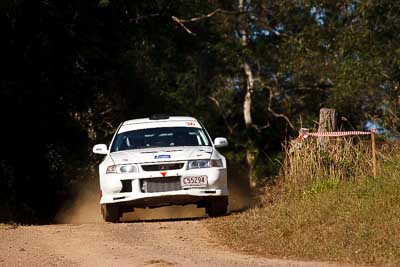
327 123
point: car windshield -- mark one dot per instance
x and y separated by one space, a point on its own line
160 137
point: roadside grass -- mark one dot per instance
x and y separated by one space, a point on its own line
334 218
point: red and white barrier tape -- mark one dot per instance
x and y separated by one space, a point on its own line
331 134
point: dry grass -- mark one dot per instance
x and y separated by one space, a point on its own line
329 208
341 159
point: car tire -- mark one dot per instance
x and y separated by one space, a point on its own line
217 206
110 213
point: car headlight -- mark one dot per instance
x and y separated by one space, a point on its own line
204 163
197 164
128 168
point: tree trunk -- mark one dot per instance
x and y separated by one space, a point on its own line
249 92
327 123
243 24
250 153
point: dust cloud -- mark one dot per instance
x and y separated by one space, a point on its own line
83 207
240 193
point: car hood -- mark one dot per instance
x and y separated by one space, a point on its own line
163 154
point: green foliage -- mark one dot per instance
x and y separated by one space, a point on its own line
320 186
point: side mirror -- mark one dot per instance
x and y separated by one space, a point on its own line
220 142
100 149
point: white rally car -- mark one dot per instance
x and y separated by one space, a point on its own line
161 161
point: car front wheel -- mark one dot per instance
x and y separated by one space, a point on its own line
110 212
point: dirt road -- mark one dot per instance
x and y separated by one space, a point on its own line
179 242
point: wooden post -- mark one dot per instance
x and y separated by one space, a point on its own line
373 152
327 123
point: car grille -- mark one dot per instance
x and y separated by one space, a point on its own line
162 184
162 167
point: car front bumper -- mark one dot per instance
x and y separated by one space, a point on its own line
128 189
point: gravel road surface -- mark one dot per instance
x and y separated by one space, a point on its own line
177 242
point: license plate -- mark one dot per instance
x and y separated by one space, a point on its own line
194 181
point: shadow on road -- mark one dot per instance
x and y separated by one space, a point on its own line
170 213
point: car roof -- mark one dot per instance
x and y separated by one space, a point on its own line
148 120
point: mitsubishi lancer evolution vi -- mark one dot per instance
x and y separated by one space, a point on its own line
161 161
